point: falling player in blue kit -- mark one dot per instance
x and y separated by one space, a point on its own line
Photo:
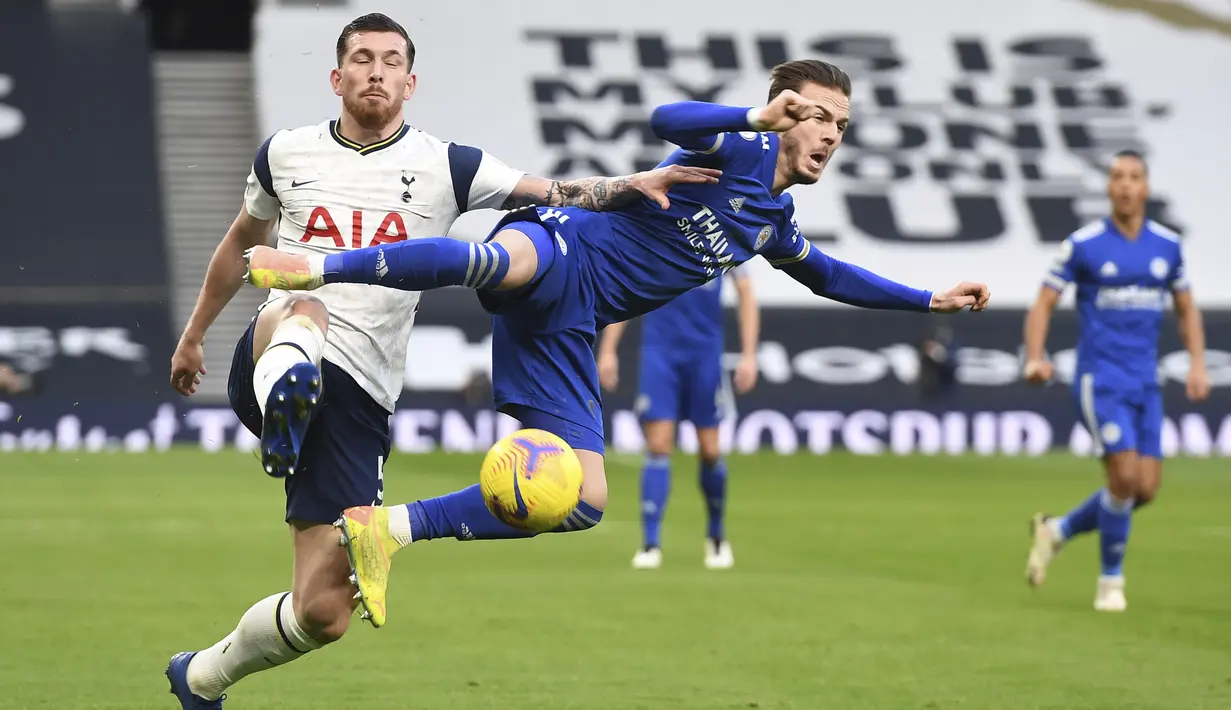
1124 267
552 278
681 378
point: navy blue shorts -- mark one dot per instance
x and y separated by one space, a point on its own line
543 367
342 461
682 385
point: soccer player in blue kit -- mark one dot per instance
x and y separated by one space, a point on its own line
552 278
681 378
1124 266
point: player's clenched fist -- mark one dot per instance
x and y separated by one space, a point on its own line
967 294
1038 371
783 113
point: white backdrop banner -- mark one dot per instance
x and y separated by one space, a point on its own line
980 131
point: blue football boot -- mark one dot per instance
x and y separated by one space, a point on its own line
177 673
287 414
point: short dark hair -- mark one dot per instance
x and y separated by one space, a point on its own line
375 22
793 76
1135 154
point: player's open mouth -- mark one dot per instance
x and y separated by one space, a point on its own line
817 160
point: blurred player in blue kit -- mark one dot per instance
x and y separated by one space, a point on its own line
681 378
552 278
1124 266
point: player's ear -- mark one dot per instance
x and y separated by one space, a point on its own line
335 80
410 87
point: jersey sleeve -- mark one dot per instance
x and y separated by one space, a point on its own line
740 273
260 199
1178 280
790 250
1064 269
480 180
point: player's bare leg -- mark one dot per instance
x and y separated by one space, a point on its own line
1149 478
655 490
713 482
281 627
290 336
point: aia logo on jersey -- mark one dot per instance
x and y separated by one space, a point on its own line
321 225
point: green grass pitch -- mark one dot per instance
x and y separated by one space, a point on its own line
861 584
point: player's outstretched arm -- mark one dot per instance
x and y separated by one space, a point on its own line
856 286
698 126
600 194
223 279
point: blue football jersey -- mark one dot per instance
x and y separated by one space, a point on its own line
1122 290
643 256
691 321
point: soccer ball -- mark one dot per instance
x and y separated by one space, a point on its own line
531 480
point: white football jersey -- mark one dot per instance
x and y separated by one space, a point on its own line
332 194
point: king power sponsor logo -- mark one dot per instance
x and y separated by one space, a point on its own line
979 136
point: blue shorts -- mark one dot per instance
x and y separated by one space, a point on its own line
345 448
1120 418
543 338
682 385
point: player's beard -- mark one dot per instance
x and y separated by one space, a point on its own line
371 116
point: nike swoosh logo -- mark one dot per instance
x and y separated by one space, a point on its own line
305 182
522 512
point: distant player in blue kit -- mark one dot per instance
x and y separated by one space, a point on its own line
552 278
1124 266
681 378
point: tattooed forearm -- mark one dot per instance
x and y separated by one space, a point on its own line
597 194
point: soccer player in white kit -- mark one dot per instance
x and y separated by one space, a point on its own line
317 377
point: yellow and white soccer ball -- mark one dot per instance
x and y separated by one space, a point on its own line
531 479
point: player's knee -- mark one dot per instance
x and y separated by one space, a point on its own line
523 258
302 304
1122 474
660 438
1147 491
708 447
594 480
325 617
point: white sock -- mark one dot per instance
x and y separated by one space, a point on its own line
1054 525
293 337
399 524
267 636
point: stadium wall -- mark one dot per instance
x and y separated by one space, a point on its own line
829 379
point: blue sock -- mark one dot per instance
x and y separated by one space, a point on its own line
714 487
421 264
1115 517
655 489
1084 518
463 515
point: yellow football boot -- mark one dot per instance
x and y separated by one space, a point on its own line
270 268
370 548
